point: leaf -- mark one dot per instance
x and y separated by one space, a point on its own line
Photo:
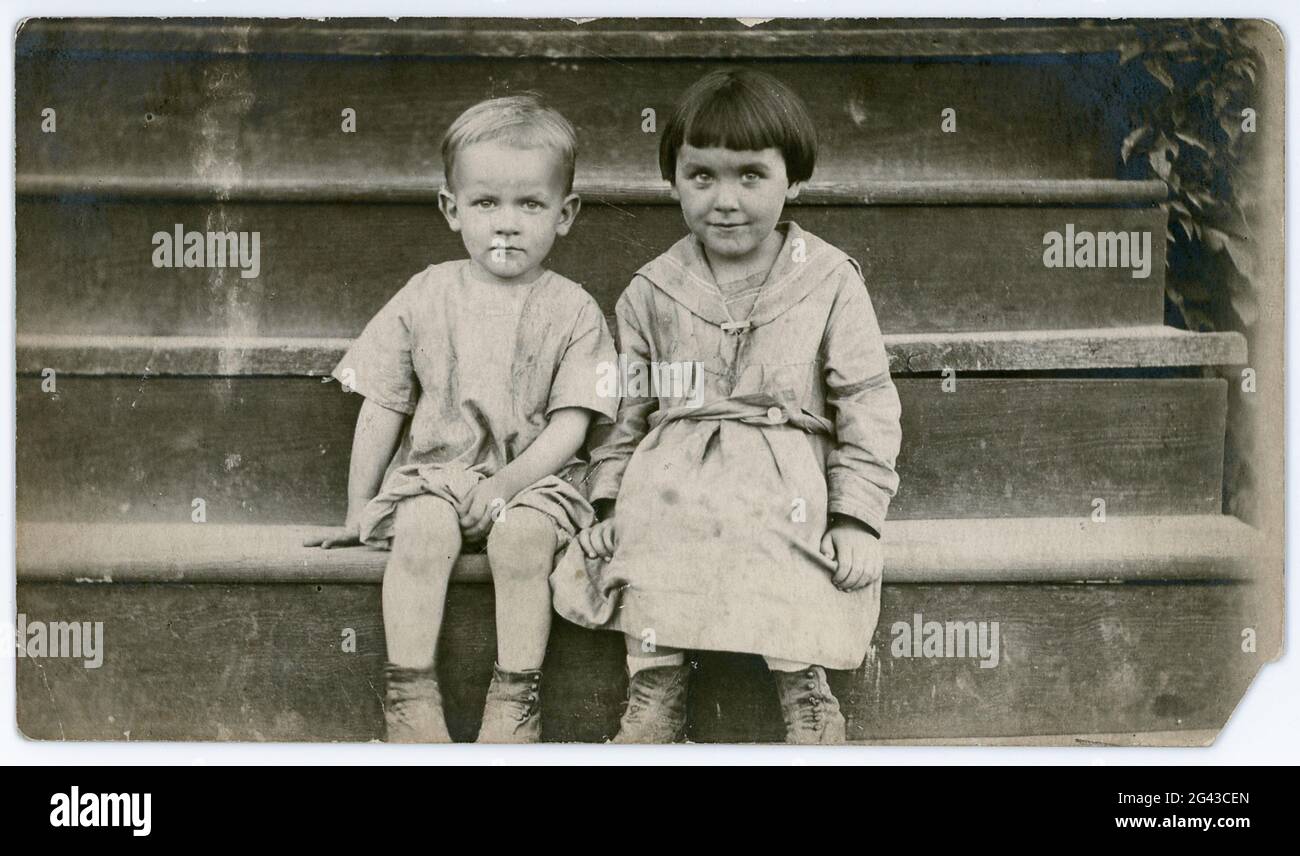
1159 163
1234 246
1133 138
1190 140
1159 72
1246 307
1129 50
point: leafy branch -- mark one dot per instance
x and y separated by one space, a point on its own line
1192 121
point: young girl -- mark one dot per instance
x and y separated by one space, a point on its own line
486 369
750 522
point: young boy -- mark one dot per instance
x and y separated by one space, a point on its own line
748 519
486 369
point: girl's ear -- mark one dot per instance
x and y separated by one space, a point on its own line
792 191
568 213
672 189
447 205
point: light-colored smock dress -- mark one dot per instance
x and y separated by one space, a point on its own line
722 501
479 367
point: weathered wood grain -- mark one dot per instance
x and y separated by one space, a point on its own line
1020 550
229 119
909 353
263 662
87 268
622 38
599 189
275 449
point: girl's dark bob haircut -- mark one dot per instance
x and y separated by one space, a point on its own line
742 110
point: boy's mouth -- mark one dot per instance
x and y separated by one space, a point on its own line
726 226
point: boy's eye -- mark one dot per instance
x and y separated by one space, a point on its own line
533 205
483 203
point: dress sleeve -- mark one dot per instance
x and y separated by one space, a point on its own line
610 459
378 364
860 474
589 353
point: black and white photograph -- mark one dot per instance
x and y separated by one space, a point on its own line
805 381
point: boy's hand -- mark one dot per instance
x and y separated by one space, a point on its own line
599 540
859 556
347 535
484 504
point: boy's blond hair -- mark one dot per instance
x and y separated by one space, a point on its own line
521 120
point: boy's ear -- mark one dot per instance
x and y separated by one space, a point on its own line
568 213
792 192
447 205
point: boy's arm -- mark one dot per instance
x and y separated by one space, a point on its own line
373 443
559 441
860 473
553 448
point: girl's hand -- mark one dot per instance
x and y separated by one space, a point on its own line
599 540
347 535
482 508
859 556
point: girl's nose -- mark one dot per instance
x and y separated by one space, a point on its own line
725 198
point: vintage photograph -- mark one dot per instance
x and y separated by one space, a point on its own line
647 381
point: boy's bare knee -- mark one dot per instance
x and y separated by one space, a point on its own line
425 527
521 542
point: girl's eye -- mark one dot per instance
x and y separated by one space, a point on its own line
702 177
751 176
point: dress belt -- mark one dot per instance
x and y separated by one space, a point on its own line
753 409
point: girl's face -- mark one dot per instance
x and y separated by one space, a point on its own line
508 206
732 199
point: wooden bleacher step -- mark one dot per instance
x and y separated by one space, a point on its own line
257 449
326 267
279 111
1022 550
200 618
909 353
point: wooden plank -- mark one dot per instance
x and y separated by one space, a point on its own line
229 120
1025 350
274 450
263 662
1025 550
598 188
629 38
86 269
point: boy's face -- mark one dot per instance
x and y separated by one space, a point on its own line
508 204
731 199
